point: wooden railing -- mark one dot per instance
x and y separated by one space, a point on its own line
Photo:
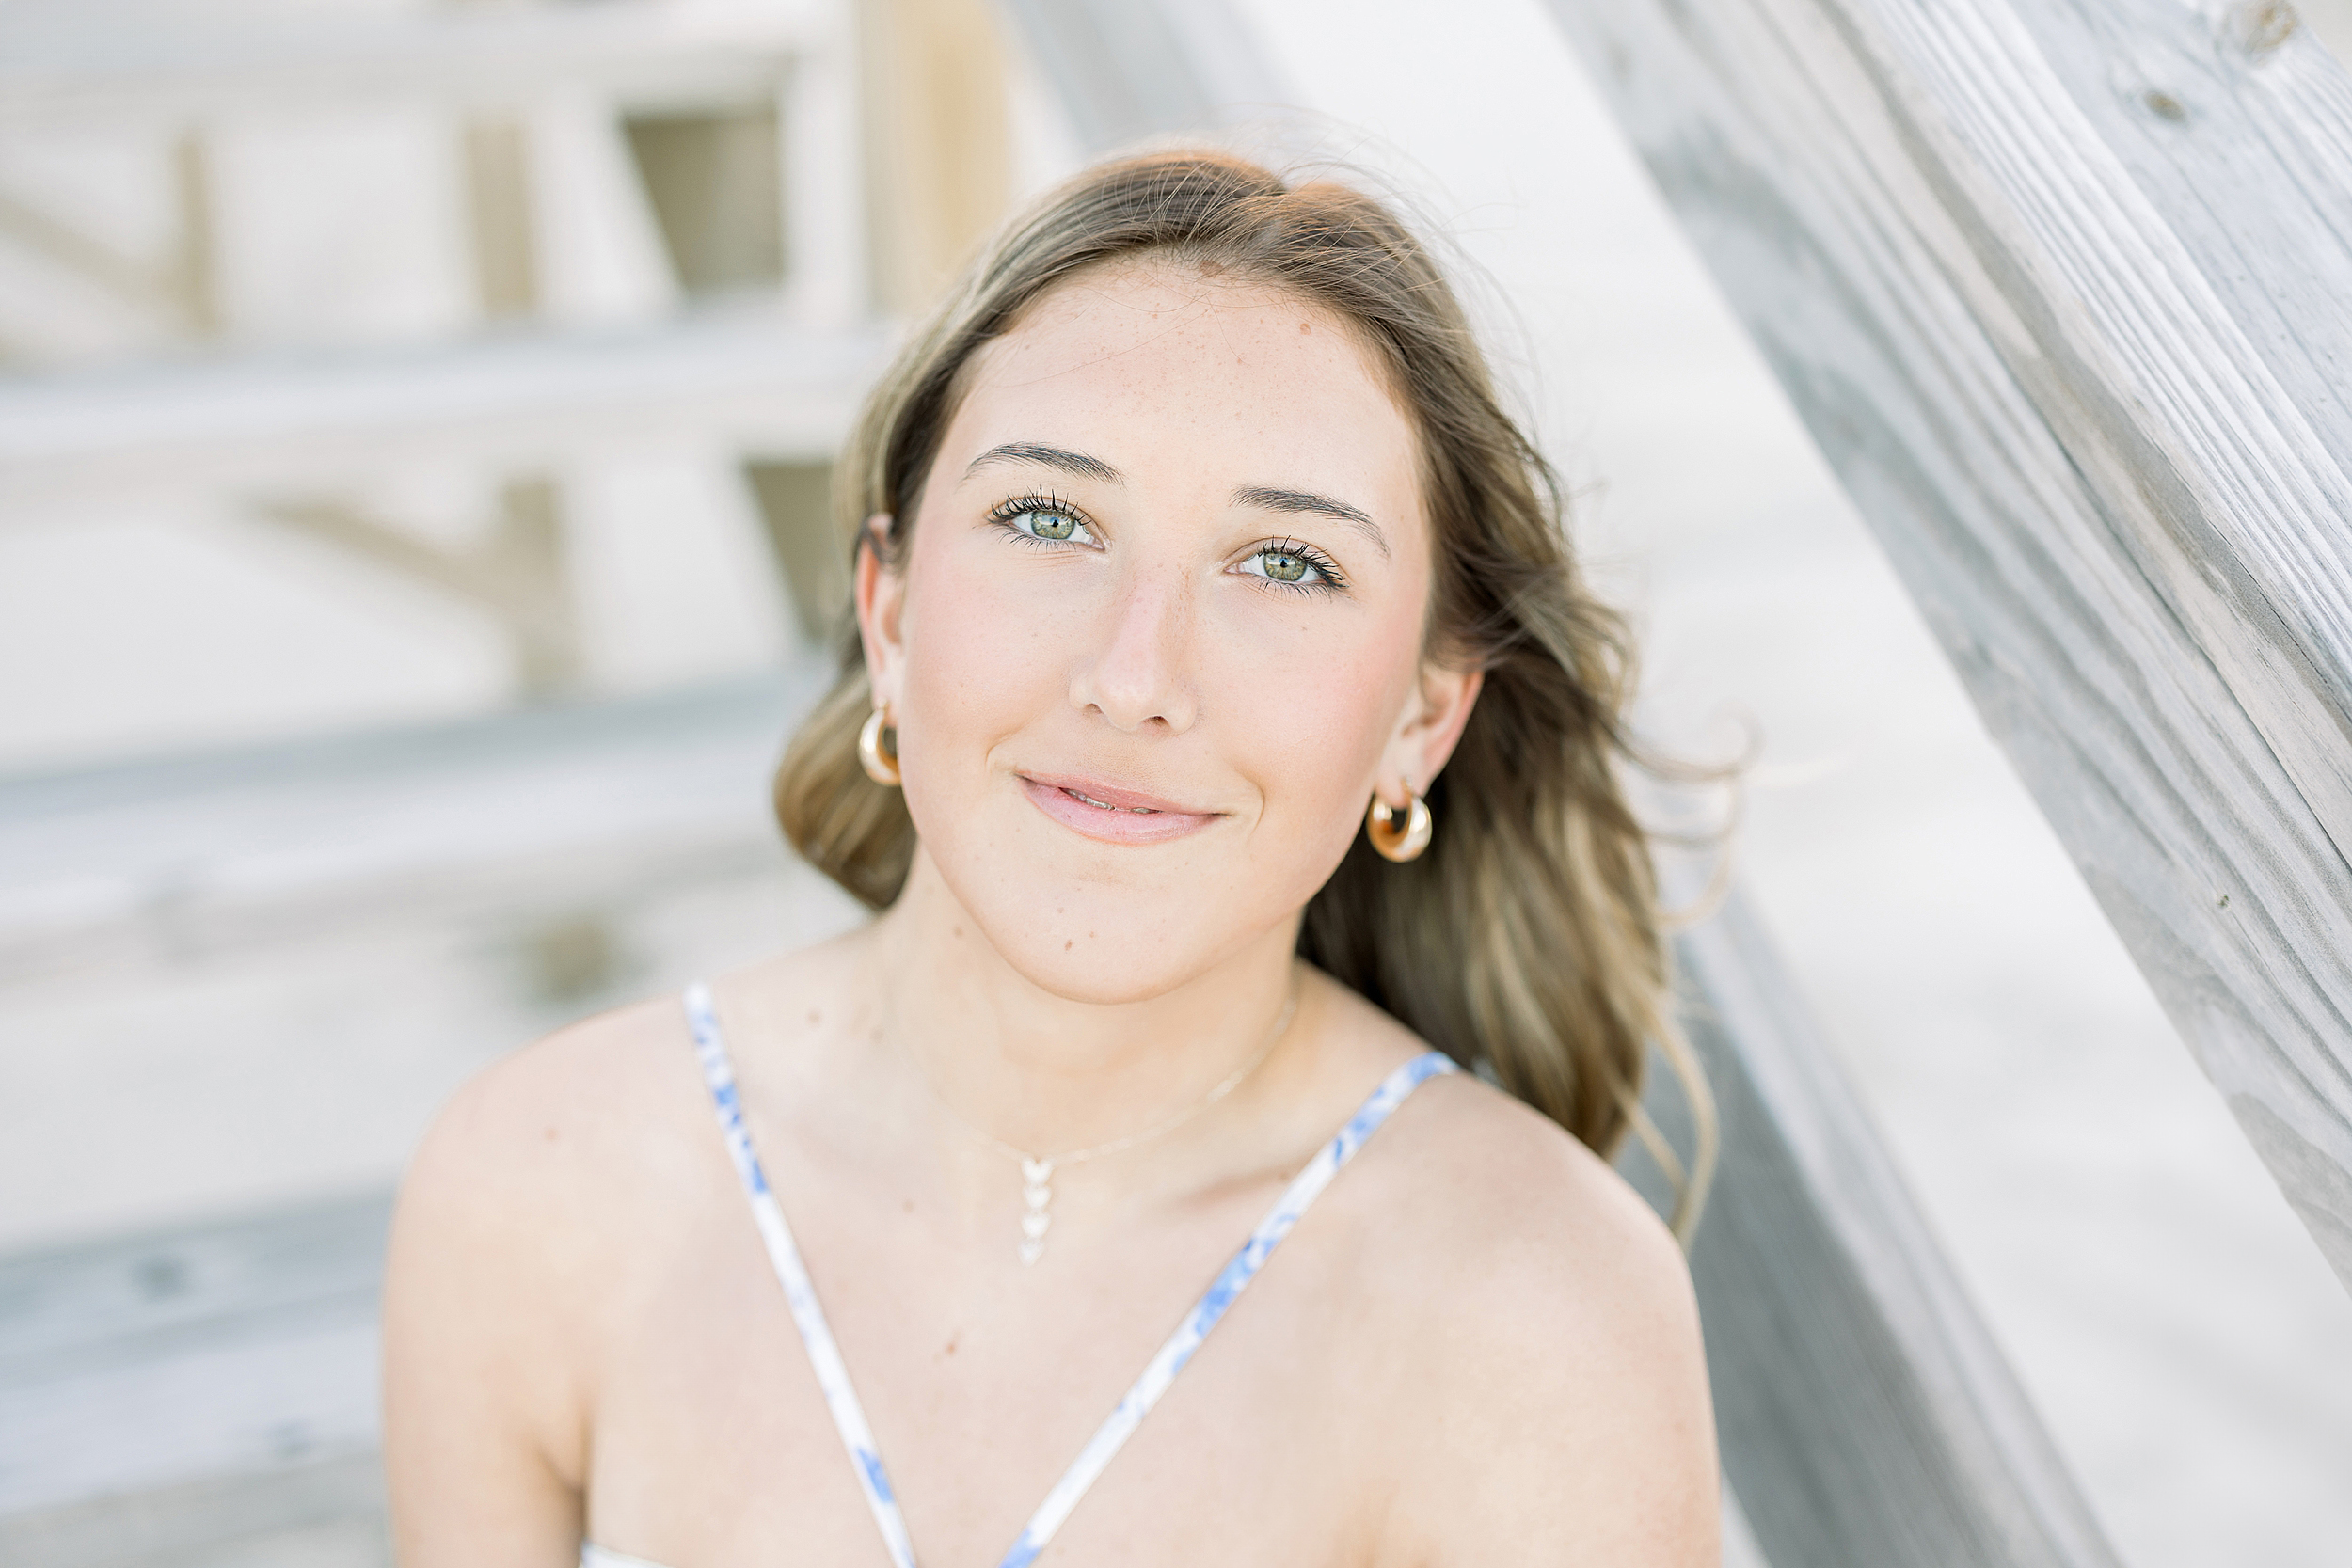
1865 1412
2064 294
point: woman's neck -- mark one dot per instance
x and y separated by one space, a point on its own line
1041 1072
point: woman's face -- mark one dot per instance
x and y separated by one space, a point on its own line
1158 635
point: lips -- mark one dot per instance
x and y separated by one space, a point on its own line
1111 814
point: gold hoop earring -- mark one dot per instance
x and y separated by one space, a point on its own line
880 763
1395 843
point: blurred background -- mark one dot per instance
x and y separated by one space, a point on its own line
415 424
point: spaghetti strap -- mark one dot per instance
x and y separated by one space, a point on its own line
849 1417
832 1376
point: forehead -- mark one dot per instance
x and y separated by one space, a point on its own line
1145 361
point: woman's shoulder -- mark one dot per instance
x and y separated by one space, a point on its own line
1547 1318
597 1111
1478 1186
576 1093
524 1182
1519 1235
518 1206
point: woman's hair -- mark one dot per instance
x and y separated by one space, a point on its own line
1526 941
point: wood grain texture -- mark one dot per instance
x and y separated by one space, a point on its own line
244 1348
2062 292
1866 1416
326 1513
278 422
68 64
471 825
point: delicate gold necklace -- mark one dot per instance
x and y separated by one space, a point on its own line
1037 1170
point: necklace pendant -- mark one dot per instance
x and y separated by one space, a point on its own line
1036 1199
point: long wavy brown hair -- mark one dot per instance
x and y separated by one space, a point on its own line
1527 942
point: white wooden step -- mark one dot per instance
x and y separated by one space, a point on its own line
288 421
166 1394
545 810
164 65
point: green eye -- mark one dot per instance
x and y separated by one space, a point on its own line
1045 520
1292 565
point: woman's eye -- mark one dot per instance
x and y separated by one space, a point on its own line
1284 564
1052 527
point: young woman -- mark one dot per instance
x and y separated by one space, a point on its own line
1230 751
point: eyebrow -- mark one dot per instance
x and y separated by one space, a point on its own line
1074 463
1306 500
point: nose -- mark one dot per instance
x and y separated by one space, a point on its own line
1141 678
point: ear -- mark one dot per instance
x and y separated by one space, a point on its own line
1426 733
879 595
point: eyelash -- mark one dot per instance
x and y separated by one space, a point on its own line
1039 501
1334 581
1005 512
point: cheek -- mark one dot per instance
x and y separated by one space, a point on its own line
1310 697
987 649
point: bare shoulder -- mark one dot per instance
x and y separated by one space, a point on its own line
502 1278
1475 1184
555 1131
1553 1238
550 1170
1556 1408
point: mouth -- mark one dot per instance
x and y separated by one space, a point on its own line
1108 813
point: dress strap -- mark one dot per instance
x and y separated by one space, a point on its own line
833 1377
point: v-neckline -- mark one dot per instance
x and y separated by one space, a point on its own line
832 1374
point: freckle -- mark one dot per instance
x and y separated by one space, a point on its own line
959 931
816 1017
1304 327
951 1346
1068 945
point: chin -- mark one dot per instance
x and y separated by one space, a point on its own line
1101 942
1107 926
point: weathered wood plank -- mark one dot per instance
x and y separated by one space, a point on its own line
68 63
68 1310
539 813
1866 1416
244 1348
326 1514
281 421
2076 370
